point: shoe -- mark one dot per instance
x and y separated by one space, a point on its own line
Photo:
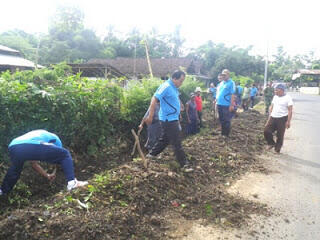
149 156
75 184
186 168
269 147
277 151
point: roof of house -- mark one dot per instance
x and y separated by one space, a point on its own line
95 70
161 67
6 49
8 60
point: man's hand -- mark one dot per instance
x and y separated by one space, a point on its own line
288 124
148 120
51 177
140 127
231 108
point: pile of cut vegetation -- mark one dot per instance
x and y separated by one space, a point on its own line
131 202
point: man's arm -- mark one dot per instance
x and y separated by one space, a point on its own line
41 171
152 107
232 105
181 106
289 116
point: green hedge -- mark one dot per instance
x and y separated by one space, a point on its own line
85 113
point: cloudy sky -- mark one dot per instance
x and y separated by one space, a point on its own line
293 24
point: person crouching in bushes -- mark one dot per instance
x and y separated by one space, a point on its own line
38 145
192 115
154 129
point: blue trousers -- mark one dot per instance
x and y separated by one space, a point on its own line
225 117
21 153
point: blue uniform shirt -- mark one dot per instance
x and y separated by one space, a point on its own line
226 89
214 92
253 91
168 95
37 137
240 90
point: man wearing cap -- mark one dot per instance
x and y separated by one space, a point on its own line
279 118
38 145
226 102
168 96
198 101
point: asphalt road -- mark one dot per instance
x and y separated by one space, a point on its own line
292 190
299 165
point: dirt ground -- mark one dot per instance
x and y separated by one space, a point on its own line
126 201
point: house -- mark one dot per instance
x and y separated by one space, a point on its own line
95 70
161 67
12 60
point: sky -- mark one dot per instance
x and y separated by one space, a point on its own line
265 24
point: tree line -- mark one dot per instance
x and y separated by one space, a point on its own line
68 40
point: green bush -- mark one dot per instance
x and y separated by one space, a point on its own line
87 114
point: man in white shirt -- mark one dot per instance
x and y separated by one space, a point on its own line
279 118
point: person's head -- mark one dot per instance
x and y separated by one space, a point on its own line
178 78
212 85
279 90
220 77
225 74
254 85
237 83
198 91
192 96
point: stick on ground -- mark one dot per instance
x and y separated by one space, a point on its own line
137 142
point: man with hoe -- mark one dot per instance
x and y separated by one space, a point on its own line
168 96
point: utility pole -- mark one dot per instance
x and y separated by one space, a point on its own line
148 58
266 68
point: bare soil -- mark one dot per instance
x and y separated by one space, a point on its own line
126 201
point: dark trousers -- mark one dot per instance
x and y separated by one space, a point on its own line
192 127
21 153
170 134
200 118
278 125
225 117
252 101
154 131
245 104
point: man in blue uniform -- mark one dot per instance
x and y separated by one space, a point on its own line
226 102
168 96
38 145
253 94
